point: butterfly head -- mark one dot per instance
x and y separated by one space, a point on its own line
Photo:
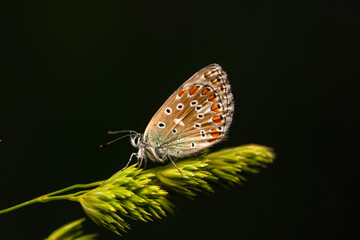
137 140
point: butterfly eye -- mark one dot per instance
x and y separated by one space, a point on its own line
135 141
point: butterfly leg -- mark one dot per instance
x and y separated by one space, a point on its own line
145 163
175 165
140 161
129 161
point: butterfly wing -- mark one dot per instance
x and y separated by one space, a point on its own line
196 116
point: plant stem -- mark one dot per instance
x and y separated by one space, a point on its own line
50 196
41 199
76 186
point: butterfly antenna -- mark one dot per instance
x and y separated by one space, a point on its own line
115 140
121 131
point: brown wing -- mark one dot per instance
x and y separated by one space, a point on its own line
196 116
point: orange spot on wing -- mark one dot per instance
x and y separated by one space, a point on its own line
182 92
206 91
215 108
194 90
217 119
212 98
215 81
210 74
212 140
214 129
215 134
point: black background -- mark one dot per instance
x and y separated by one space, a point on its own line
72 70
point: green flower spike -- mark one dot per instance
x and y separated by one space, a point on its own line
224 167
143 194
229 165
71 231
195 178
127 194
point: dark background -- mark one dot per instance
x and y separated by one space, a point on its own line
71 70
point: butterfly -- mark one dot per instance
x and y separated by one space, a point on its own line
195 117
